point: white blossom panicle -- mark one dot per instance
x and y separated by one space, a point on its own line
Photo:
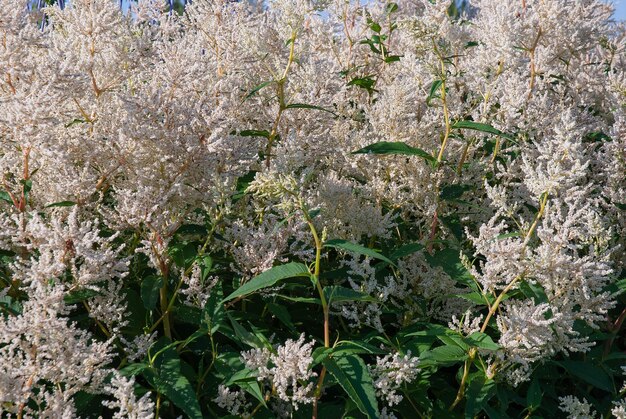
287 368
467 324
232 401
125 403
619 409
576 408
391 372
39 347
119 126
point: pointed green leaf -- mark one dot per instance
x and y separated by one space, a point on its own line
78 296
449 260
150 287
256 89
352 374
338 294
270 278
356 248
482 340
476 297
175 386
213 314
434 93
534 395
590 373
453 192
479 391
478 126
406 250
307 106
61 204
4 196
255 133
444 355
385 147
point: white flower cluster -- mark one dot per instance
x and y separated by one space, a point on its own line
391 372
576 409
39 347
233 401
287 368
125 403
116 127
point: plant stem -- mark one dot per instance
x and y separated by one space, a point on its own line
494 307
280 91
325 308
446 114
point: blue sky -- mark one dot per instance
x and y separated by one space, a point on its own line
620 9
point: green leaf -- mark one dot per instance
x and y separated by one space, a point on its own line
454 339
482 340
253 388
590 373
534 395
374 26
476 297
406 250
453 192
366 83
338 294
174 385
61 204
213 314
183 254
27 186
391 8
533 290
352 374
10 305
305 300
435 90
79 296
131 370
243 335
150 287
478 126
356 248
617 204
270 278
479 391
4 196
448 259
256 89
74 122
255 133
398 147
444 355
306 106
205 262
392 58
355 347
508 235
281 314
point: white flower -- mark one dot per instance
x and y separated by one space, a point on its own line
575 408
391 372
288 369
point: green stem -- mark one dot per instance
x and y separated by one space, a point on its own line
494 307
280 92
325 308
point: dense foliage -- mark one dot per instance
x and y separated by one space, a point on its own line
312 208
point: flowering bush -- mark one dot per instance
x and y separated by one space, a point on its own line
312 208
